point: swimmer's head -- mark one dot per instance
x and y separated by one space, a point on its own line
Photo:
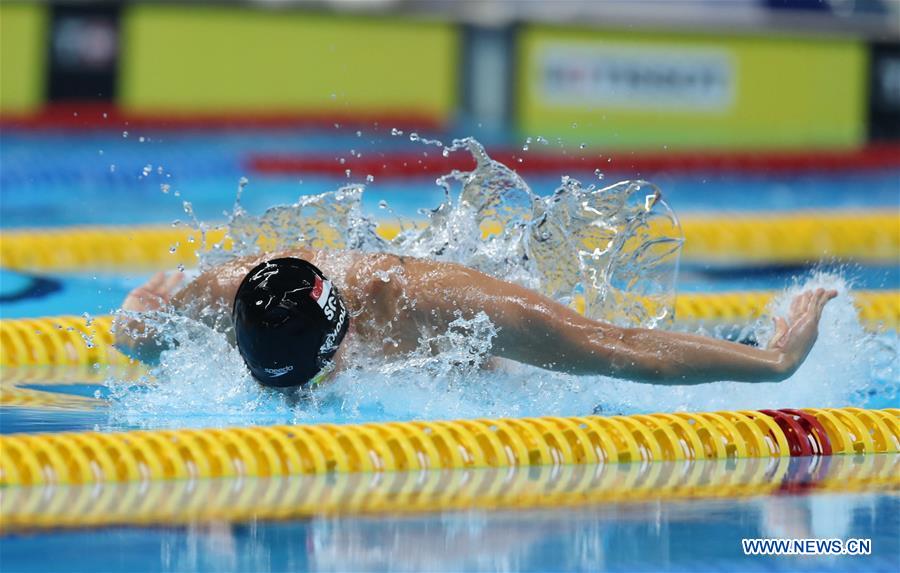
288 320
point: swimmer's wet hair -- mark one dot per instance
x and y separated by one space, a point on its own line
289 321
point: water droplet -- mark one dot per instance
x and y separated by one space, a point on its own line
105 115
99 152
164 187
414 136
147 169
358 133
342 161
347 173
142 139
125 135
112 167
382 204
582 146
395 131
180 267
370 178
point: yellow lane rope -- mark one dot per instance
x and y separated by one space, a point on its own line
574 487
272 451
58 341
71 340
793 238
877 308
733 237
17 384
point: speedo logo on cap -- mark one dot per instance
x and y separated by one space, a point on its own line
320 291
276 372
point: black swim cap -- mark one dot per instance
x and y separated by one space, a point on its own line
288 320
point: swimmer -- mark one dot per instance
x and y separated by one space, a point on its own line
288 319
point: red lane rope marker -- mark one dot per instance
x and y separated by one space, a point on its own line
804 474
429 163
813 427
796 435
90 116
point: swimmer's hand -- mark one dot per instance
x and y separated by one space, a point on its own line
794 338
154 294
131 333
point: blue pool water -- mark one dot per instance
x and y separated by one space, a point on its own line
97 178
50 180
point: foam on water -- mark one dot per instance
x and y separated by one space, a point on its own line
615 248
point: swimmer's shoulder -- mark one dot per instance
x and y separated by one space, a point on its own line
377 276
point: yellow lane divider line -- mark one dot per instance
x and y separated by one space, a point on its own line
768 238
273 451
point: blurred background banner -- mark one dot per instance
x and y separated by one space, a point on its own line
633 90
218 59
23 57
637 75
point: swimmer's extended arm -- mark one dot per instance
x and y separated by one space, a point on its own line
132 335
536 330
